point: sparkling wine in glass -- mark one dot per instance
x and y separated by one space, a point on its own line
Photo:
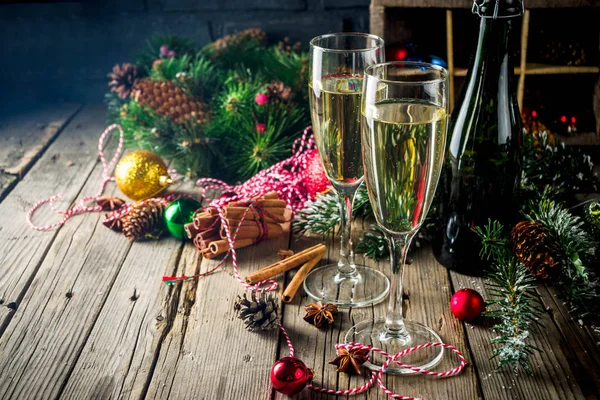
404 114
336 69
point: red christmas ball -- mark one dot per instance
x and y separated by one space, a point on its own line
261 99
466 304
290 375
314 177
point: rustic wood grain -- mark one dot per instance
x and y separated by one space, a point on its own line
580 344
24 135
208 353
553 377
428 288
22 249
61 306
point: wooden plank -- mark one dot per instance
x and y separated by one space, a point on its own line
206 352
469 3
580 342
25 135
62 304
553 377
428 293
22 249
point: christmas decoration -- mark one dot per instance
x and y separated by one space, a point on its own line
260 313
141 174
467 304
319 314
144 219
122 79
261 99
260 128
350 361
202 109
290 375
277 92
110 203
314 176
534 248
168 100
179 213
592 216
512 299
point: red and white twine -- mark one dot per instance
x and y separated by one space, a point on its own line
82 206
377 376
282 178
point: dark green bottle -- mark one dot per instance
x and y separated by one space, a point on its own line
482 172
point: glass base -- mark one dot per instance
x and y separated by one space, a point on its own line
366 286
373 332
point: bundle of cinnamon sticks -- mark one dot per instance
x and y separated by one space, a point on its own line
248 222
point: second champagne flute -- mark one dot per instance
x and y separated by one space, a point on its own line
336 69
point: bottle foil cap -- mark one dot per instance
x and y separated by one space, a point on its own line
498 8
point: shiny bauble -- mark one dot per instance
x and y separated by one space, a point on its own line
314 177
179 213
467 304
290 375
141 174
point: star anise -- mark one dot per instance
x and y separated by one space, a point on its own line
350 361
110 203
317 313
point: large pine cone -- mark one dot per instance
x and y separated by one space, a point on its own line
171 101
534 247
122 79
144 219
278 92
260 314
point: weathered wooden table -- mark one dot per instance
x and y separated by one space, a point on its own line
84 314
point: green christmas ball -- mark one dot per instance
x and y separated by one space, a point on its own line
178 213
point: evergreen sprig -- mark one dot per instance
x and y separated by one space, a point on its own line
576 285
512 299
323 214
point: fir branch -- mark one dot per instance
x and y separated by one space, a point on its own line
512 301
322 215
565 169
576 285
181 46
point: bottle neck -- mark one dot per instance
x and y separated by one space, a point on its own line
493 46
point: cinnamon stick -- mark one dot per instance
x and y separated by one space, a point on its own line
282 266
265 203
294 285
252 231
219 247
191 230
282 214
204 221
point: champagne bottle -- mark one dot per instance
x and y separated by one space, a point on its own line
482 170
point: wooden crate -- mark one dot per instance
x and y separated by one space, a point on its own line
383 25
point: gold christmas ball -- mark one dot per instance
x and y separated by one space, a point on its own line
141 174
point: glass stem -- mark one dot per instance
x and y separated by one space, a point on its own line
394 322
346 263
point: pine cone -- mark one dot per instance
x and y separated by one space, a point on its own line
533 246
122 79
144 219
261 314
278 92
236 39
171 101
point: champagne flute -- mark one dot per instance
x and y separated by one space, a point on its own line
336 69
404 113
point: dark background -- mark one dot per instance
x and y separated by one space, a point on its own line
63 50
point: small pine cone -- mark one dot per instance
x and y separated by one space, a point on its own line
533 246
144 219
260 313
278 92
122 79
236 39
